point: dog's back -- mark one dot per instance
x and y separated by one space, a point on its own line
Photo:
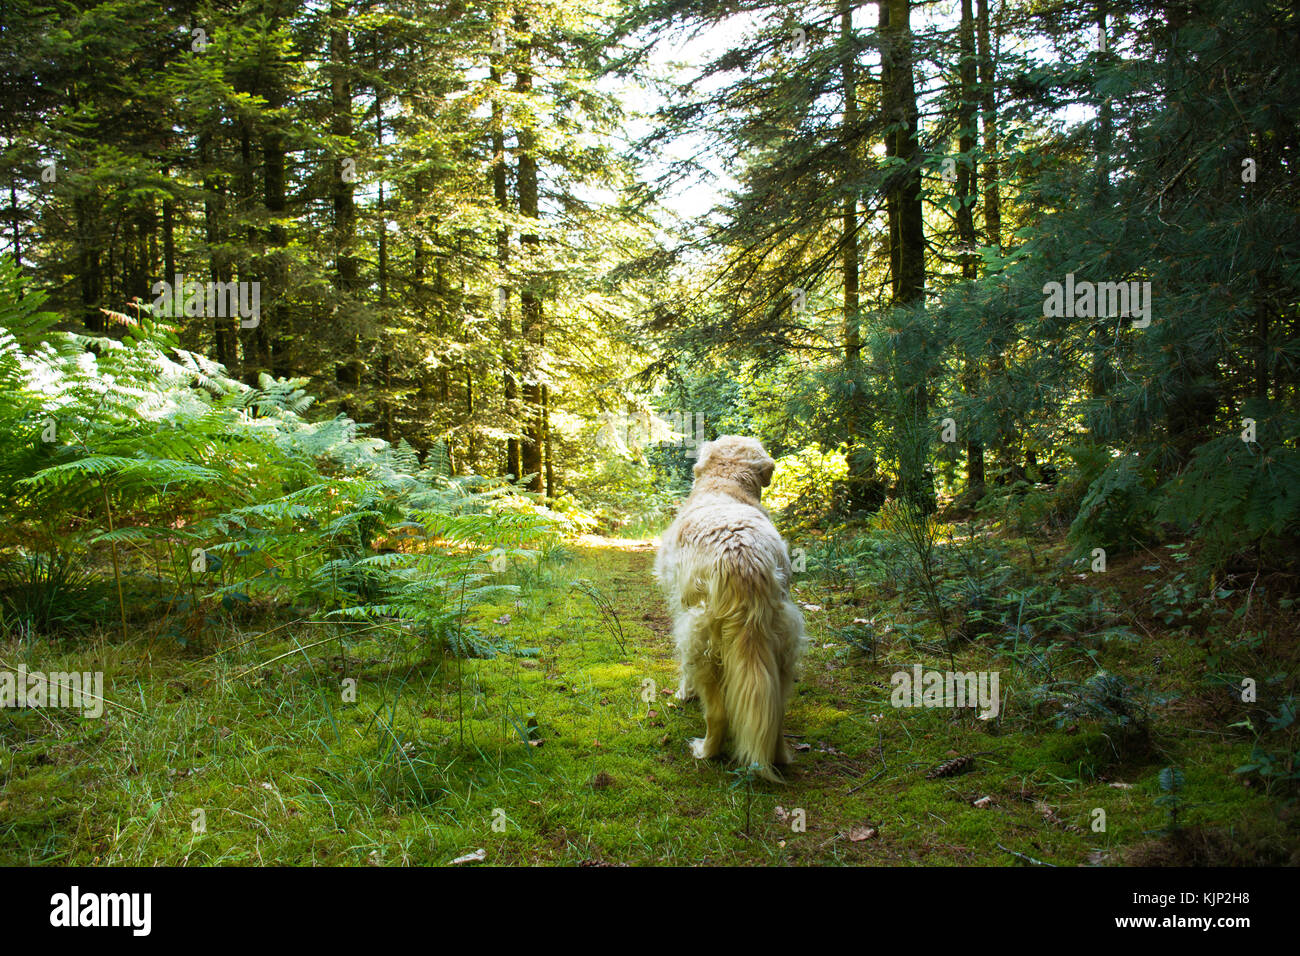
726 574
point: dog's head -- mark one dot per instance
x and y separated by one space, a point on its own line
736 458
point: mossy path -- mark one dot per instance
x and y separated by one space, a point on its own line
569 749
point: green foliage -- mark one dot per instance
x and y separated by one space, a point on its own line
1148 187
1121 706
1235 493
157 457
862 636
918 529
1116 511
846 560
632 497
804 484
43 591
1186 593
1172 784
1275 754
609 618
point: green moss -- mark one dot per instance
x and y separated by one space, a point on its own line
574 748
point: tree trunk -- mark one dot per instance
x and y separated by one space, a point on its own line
344 166
169 233
218 264
848 69
275 270
901 99
546 440
992 198
509 367
17 223
863 481
529 298
966 222
1105 124
989 109
907 241
88 262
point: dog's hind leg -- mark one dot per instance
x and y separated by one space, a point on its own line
783 754
691 633
789 623
715 717
685 690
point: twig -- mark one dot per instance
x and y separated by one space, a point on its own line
59 683
880 749
608 613
277 657
1027 859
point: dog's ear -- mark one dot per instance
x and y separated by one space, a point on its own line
765 469
705 450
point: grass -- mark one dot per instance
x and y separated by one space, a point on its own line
570 750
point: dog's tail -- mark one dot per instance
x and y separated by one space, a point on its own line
752 693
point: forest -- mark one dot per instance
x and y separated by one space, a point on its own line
354 354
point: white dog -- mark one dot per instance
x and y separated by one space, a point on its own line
726 574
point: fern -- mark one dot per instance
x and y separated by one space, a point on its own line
1117 507
155 450
1235 493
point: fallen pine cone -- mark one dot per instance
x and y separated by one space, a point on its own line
950 768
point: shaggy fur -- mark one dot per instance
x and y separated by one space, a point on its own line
726 574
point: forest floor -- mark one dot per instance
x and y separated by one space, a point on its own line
571 750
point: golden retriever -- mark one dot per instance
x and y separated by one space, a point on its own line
726 574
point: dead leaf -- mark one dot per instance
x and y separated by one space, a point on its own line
858 834
478 856
1047 812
